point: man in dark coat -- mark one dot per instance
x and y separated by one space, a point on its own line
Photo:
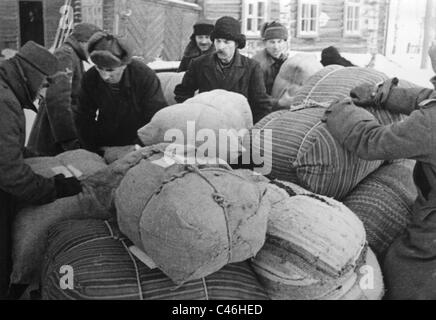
227 69
118 96
54 131
272 57
200 44
410 265
331 56
20 80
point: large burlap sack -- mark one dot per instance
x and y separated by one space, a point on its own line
302 149
314 248
294 73
104 268
335 82
169 81
383 201
29 230
187 123
191 220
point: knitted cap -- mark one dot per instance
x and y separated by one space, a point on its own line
230 29
108 51
39 58
274 30
84 31
203 27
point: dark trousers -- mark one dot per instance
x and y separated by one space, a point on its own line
6 213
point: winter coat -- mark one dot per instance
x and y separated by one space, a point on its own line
105 118
17 178
191 52
411 261
54 124
270 67
244 76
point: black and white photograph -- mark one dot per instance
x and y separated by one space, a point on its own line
242 152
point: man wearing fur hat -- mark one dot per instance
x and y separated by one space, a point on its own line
275 36
54 130
200 44
21 78
227 69
118 96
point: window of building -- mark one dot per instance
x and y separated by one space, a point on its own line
254 16
308 18
352 19
92 12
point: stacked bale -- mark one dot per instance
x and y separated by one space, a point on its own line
169 81
104 268
383 201
314 249
207 115
31 223
303 150
191 220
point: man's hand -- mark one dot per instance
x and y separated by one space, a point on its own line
364 95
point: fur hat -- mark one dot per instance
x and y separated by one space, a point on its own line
274 30
109 51
203 27
230 29
39 58
84 31
331 56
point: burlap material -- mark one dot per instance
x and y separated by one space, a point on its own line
105 269
31 223
383 201
313 248
169 81
191 220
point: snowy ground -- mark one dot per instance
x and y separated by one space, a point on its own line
404 67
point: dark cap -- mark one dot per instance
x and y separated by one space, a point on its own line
39 58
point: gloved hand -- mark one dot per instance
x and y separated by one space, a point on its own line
66 187
364 95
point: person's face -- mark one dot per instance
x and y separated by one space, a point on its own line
225 49
275 47
112 75
203 42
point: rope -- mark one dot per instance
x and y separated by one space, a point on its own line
138 278
205 288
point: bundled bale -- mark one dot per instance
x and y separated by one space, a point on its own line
383 201
294 73
191 220
169 81
29 230
217 110
303 150
104 268
314 246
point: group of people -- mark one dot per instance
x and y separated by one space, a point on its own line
106 105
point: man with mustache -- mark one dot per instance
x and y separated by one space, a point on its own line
227 69
118 96
275 36
199 45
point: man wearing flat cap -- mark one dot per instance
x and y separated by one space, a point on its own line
271 59
200 44
54 130
118 96
21 78
227 69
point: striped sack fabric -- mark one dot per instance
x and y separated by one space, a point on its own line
104 268
383 201
303 150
